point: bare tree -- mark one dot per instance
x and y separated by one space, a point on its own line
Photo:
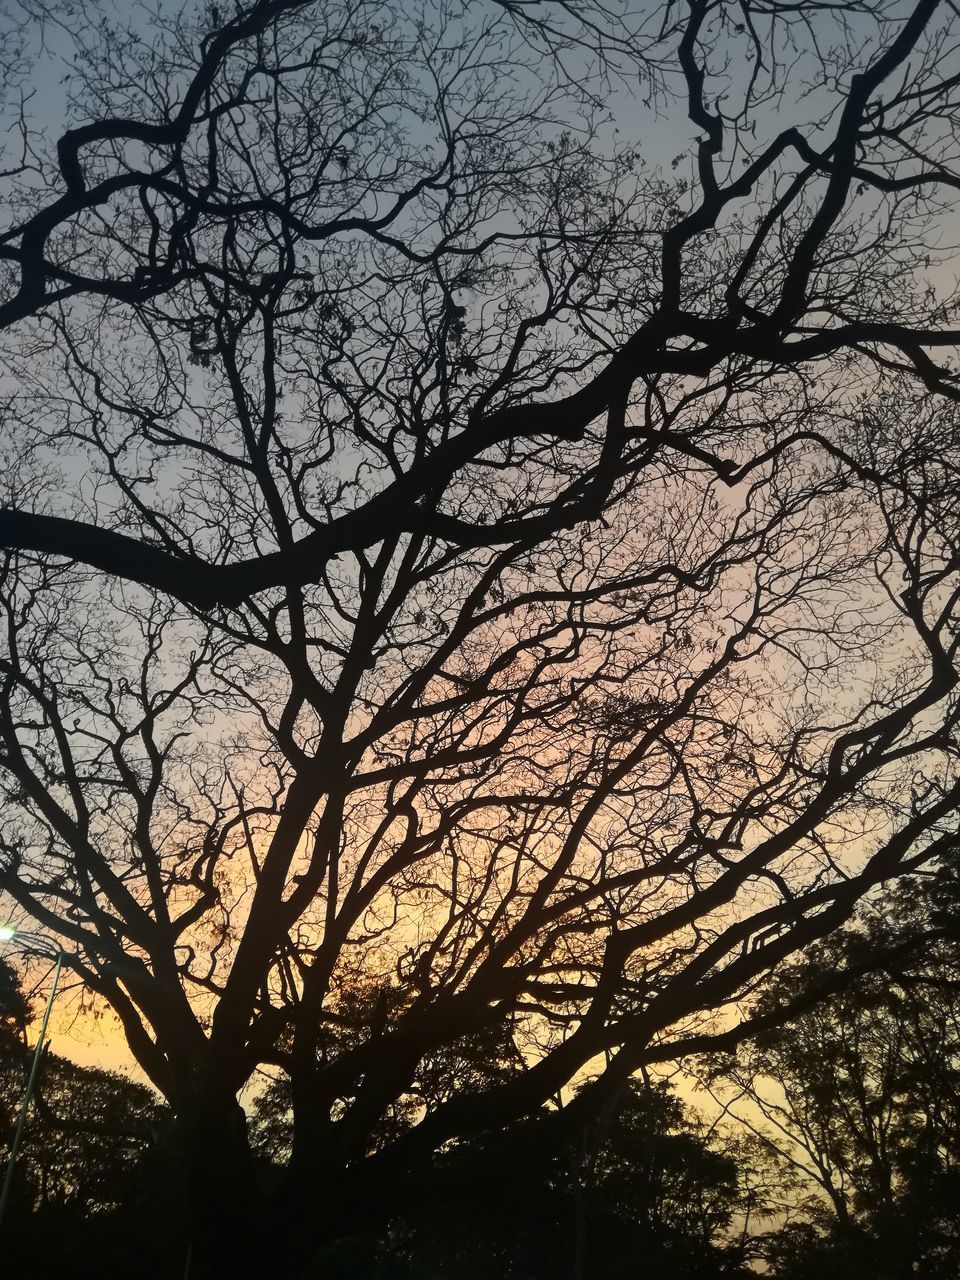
448 547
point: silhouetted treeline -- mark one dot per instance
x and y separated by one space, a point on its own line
91 1170
845 1158
859 1098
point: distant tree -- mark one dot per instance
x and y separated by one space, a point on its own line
861 1094
14 1009
81 1177
478 520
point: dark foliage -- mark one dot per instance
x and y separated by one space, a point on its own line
92 1181
862 1092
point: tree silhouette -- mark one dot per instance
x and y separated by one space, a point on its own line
91 1163
452 546
14 1009
643 1192
861 1093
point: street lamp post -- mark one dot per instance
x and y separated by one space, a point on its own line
44 946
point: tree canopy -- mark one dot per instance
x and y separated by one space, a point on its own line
479 527
92 1168
860 1094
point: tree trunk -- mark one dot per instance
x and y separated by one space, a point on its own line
226 1226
